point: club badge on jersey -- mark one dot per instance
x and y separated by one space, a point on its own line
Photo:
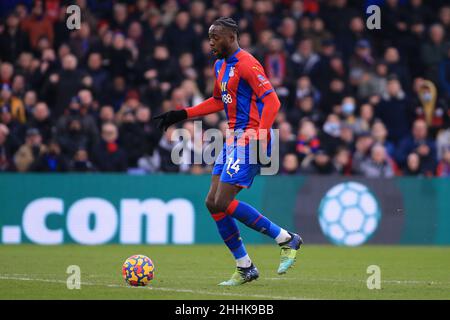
231 73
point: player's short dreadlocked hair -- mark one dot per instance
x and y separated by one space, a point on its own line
228 23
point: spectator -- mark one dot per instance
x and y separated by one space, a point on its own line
429 107
442 142
413 166
16 130
396 66
82 41
320 164
379 165
13 40
373 83
288 31
304 108
97 73
434 51
365 119
308 142
304 59
30 151
63 85
362 61
77 111
73 137
81 162
50 161
14 104
131 137
287 139
108 155
275 63
420 143
342 161
443 167
38 25
5 150
394 111
444 75
363 145
161 158
331 131
290 164
180 35
379 134
41 121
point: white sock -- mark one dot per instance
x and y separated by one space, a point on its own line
244 262
283 236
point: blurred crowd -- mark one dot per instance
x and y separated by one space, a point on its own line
354 101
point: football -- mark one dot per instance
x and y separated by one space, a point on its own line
138 270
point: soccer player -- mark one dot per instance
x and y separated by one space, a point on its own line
241 89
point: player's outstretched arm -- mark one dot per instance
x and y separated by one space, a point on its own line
169 118
211 105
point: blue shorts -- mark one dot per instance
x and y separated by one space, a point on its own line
233 164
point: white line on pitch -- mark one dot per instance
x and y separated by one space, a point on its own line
6 277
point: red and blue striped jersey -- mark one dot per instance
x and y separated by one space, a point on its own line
241 84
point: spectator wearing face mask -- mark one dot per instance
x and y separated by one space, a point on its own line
429 107
330 135
348 108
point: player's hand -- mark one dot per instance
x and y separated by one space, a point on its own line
263 158
167 119
259 151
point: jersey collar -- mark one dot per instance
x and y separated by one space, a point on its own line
233 56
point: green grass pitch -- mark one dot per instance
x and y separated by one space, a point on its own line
192 272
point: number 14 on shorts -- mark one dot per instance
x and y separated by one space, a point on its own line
233 165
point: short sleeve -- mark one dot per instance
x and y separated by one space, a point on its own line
255 76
